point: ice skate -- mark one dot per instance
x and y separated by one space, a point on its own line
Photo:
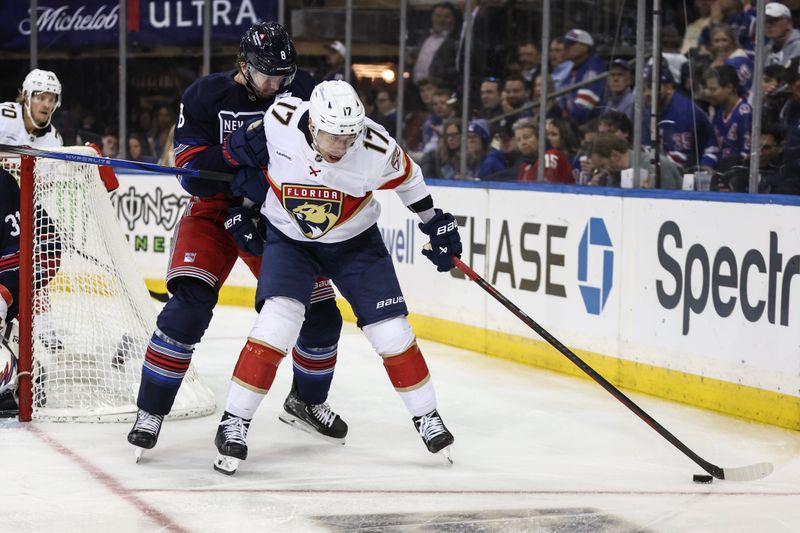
144 433
231 443
434 434
317 419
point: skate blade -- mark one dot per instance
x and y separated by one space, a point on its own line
138 453
445 452
225 464
302 425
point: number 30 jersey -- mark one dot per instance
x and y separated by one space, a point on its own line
313 200
13 132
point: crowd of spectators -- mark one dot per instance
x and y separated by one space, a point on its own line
704 106
704 115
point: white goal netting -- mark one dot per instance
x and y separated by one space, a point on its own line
92 313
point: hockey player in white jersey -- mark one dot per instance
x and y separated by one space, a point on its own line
324 159
27 121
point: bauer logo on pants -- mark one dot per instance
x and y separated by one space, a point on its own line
315 209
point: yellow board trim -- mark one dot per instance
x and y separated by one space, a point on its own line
716 395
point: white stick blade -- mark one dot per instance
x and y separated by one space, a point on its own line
748 473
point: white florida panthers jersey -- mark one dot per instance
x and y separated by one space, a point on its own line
13 132
313 200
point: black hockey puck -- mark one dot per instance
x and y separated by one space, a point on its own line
702 478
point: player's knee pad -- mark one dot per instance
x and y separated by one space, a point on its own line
278 323
391 336
322 325
185 317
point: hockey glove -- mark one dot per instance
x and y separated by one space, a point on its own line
240 223
250 182
246 146
445 240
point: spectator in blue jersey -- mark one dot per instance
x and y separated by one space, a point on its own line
581 104
733 116
687 136
726 51
733 13
619 96
783 42
492 159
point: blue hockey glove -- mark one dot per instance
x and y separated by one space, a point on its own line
445 240
240 223
247 145
250 182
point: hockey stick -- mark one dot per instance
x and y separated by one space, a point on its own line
742 473
120 163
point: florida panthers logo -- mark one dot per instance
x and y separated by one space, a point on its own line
315 209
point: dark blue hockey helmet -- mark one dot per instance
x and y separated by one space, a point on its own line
266 48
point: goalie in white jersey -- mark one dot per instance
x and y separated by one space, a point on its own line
27 122
323 160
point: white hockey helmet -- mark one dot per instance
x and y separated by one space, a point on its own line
41 81
336 109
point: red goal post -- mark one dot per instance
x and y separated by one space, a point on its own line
85 315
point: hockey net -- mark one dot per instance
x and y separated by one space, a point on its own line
86 315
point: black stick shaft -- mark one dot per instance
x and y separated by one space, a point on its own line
712 469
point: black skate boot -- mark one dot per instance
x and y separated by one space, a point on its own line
231 443
434 433
317 419
144 433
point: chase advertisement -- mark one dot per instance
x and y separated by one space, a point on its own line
660 281
81 23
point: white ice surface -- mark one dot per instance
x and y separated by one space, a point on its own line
534 451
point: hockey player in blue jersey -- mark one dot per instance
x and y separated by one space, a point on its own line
687 137
733 116
218 218
581 105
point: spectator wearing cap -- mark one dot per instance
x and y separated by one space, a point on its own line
335 61
783 40
581 104
733 13
619 96
479 151
733 116
687 135
436 54
726 50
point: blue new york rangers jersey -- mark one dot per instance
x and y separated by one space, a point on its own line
9 237
687 136
733 130
744 69
211 108
581 104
